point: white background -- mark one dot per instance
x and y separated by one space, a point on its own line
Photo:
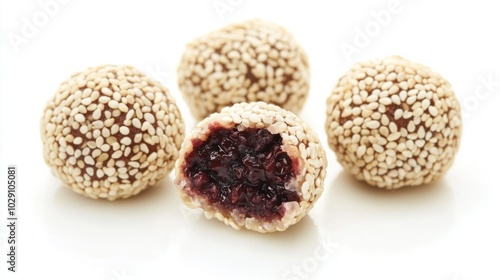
446 231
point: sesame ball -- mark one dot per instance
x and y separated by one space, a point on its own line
393 123
253 165
110 132
250 61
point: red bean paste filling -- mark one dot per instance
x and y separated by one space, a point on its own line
242 170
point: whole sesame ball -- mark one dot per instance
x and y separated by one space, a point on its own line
250 61
110 132
393 123
253 165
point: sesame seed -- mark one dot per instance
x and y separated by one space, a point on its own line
421 94
386 85
149 118
104 99
110 171
384 131
115 128
144 148
62 142
421 132
347 125
89 160
373 124
153 156
410 100
254 118
418 112
106 91
420 143
79 118
357 100
403 95
411 126
77 140
116 96
393 89
372 106
390 153
398 114
391 77
113 104
433 111
393 127
139 114
358 121
117 154
386 101
378 148
380 77
372 98
84 129
124 130
366 113
136 123
126 141
407 154
407 115
425 104
109 122
97 125
371 72
359 75
394 136
86 101
385 120
395 99
122 107
138 138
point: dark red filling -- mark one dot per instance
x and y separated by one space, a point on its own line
243 170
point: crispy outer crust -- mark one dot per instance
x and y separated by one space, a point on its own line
393 123
110 132
254 60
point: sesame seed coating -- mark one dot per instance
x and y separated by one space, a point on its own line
93 134
393 123
299 142
250 61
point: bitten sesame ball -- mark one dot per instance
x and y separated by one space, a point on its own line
253 165
393 123
250 61
110 132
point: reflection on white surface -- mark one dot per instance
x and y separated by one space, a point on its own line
138 226
376 221
156 225
242 250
